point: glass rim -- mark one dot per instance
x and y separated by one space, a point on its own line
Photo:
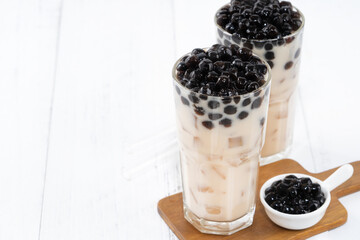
267 80
264 40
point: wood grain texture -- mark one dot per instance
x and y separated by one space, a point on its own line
170 209
104 102
29 33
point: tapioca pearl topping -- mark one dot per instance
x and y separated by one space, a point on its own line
294 195
225 122
221 71
259 19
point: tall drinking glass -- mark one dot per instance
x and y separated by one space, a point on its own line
283 56
220 141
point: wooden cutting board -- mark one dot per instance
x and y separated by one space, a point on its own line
170 209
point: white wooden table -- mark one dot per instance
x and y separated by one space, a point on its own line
87 144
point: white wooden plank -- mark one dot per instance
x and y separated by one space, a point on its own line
28 51
113 89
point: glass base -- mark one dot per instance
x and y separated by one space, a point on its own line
219 228
275 157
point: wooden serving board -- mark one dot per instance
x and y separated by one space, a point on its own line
170 209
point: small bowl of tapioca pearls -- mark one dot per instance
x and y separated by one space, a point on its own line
298 201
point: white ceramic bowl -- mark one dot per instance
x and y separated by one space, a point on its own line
302 221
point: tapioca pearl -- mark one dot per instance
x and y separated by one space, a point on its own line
226 100
243 115
215 116
237 99
206 65
193 98
222 20
221 34
236 38
177 90
261 69
252 86
269 55
289 39
191 61
246 102
185 101
230 28
245 54
196 51
234 49
208 124
248 45
280 41
181 66
230 109
288 65
268 46
203 97
199 110
271 64
201 55
213 104
227 42
225 122
262 121
297 54
256 103
180 74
